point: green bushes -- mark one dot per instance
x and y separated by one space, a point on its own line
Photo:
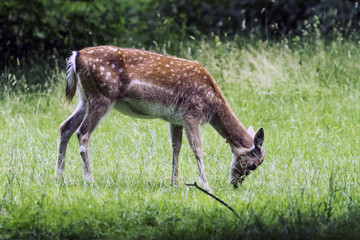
45 31
40 28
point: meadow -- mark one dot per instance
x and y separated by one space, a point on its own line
305 95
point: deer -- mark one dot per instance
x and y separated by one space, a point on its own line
147 85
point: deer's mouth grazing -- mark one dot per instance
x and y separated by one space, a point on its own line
239 177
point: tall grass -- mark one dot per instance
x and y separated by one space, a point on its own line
305 96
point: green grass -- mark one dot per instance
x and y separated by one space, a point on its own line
306 98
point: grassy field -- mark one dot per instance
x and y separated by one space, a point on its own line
306 98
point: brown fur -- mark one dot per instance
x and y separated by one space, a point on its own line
148 85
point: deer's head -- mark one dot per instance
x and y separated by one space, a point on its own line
247 159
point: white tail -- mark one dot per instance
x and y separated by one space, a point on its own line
149 85
70 77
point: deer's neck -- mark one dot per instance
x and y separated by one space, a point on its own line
229 127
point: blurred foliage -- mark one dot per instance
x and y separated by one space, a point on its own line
46 30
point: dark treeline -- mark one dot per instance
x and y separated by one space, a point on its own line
48 29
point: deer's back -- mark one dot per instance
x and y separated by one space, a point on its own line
146 84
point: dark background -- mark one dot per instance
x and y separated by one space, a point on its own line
45 31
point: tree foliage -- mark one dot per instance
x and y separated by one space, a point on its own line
49 29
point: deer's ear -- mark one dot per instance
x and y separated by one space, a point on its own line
251 131
259 138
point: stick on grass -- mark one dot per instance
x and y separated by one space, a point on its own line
213 196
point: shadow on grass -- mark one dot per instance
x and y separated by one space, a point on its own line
149 222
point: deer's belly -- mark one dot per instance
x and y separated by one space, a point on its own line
147 110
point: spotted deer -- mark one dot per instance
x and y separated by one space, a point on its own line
148 85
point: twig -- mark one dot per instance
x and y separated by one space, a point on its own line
213 196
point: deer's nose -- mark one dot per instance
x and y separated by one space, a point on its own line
252 166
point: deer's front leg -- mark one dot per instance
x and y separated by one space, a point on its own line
176 138
67 129
192 129
98 107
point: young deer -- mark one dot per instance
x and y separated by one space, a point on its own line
144 84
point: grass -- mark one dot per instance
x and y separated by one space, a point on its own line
306 98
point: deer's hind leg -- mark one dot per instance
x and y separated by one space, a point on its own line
176 139
97 108
67 129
